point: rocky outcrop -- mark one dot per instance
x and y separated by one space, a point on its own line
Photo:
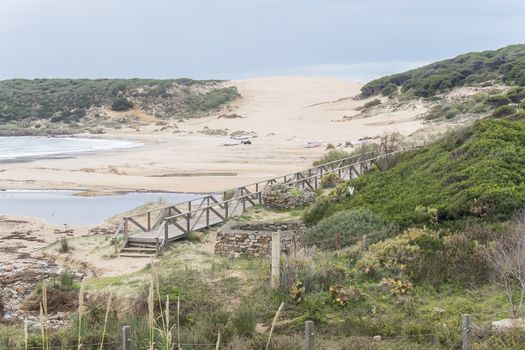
282 196
254 239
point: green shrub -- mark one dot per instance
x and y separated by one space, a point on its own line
67 279
318 210
244 320
516 94
216 98
498 100
503 111
520 115
121 104
332 156
373 103
472 69
345 228
476 172
422 255
400 255
329 180
389 90
64 246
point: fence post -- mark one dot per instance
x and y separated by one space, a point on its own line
309 335
126 338
276 259
465 331
365 243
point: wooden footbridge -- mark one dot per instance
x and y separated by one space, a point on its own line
147 233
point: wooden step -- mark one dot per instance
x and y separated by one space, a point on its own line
142 240
137 255
137 249
142 245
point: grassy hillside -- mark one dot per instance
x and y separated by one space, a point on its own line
505 66
68 100
474 173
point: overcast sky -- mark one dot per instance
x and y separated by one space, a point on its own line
350 39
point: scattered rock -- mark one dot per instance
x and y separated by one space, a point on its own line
509 324
261 328
376 338
438 310
282 196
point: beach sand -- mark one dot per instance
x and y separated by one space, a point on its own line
284 112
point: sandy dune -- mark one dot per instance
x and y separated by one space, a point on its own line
285 112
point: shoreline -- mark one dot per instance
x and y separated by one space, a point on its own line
66 155
74 209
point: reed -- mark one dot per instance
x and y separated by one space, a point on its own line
80 314
26 334
178 322
151 315
44 317
218 343
274 322
108 307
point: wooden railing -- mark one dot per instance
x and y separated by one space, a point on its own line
178 220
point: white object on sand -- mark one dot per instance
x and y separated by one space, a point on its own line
312 144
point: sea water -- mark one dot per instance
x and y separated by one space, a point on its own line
64 208
34 147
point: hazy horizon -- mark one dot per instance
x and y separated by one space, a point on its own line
234 39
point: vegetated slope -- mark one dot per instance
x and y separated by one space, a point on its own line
505 66
68 100
476 172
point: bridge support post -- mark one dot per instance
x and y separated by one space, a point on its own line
125 229
166 233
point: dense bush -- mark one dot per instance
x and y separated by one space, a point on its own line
373 103
423 256
506 65
329 180
503 111
400 255
68 99
520 115
477 172
389 90
318 210
516 94
216 98
498 100
121 104
346 228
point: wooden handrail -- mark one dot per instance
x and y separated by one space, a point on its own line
254 194
243 194
220 193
